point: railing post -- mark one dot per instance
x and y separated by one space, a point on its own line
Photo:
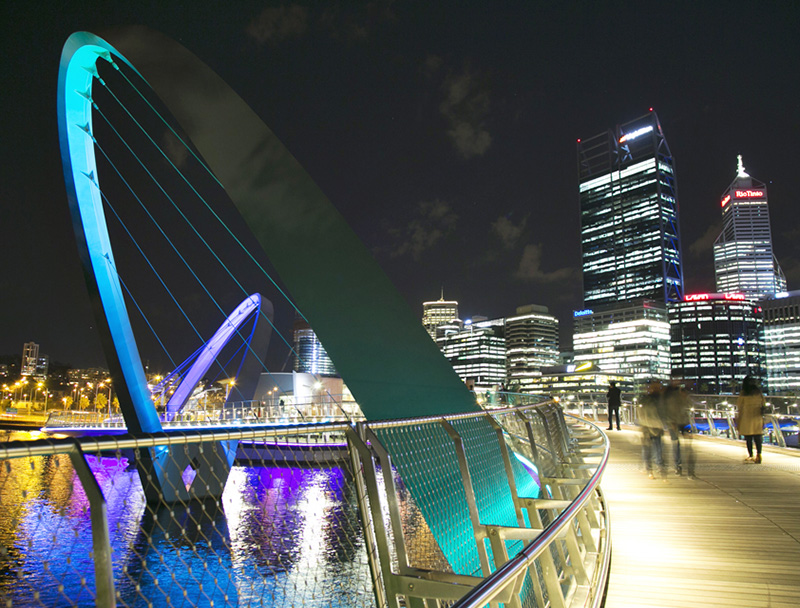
101 542
371 517
469 494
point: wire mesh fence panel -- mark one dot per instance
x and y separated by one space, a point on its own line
271 517
45 535
285 532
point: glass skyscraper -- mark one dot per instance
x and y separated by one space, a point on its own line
309 354
743 258
477 353
531 344
631 338
717 340
630 238
782 342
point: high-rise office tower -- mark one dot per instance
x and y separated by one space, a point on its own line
630 238
30 358
743 258
438 313
531 344
717 340
782 342
477 353
630 338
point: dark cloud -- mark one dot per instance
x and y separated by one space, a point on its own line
530 267
174 148
791 268
276 24
433 221
344 22
508 232
705 244
466 107
431 65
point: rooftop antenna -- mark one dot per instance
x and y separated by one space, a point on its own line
740 172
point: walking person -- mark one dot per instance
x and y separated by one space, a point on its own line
677 407
614 396
750 417
651 422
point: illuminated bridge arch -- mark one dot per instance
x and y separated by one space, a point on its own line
211 349
376 342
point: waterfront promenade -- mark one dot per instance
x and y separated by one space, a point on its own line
730 537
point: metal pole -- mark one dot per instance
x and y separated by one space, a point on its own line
101 543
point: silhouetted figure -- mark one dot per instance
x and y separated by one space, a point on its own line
614 396
651 422
750 418
677 407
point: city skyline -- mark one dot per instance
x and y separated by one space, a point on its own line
445 137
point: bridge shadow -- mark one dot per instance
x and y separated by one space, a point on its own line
730 536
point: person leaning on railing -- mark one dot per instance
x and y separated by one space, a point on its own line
750 417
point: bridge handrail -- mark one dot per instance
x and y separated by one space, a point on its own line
572 514
492 586
581 522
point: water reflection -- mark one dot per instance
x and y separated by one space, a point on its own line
281 536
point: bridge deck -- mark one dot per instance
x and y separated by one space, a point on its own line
730 537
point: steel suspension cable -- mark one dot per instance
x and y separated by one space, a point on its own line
183 215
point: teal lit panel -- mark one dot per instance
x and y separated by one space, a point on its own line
426 459
376 342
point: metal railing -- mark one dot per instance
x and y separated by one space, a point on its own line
77 528
324 409
550 549
712 415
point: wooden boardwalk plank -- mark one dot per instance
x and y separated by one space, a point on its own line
729 537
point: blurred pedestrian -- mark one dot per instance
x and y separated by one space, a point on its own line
678 408
651 423
614 396
750 417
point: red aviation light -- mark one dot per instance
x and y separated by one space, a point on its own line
725 200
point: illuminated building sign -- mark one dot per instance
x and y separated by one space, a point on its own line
725 200
749 194
583 313
584 366
697 297
635 134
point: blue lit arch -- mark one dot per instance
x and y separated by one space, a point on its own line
77 70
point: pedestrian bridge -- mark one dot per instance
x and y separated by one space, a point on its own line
728 537
78 530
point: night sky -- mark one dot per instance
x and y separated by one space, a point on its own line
444 132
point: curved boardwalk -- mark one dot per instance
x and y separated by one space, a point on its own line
730 537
